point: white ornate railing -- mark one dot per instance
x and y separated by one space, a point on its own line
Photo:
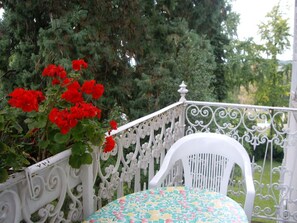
42 192
141 146
264 133
51 191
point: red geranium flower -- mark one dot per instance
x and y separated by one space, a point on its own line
88 86
109 144
67 109
85 110
72 95
49 71
78 64
55 81
113 124
60 72
73 85
66 82
98 91
27 100
54 72
63 119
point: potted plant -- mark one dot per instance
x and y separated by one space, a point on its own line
37 124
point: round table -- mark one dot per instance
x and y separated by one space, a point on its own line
171 204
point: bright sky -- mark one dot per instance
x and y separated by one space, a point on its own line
252 13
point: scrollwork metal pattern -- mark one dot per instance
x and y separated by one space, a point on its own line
263 131
139 148
57 197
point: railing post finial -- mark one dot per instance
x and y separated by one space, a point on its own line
183 91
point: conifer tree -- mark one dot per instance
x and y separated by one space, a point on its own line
141 50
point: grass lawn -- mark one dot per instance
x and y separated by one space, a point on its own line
265 180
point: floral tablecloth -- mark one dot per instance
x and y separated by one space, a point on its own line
171 204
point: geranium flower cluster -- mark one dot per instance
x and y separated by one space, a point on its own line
72 93
68 118
27 100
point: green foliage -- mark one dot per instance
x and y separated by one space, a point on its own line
190 59
12 155
141 50
195 64
215 21
109 35
256 66
243 57
274 33
57 124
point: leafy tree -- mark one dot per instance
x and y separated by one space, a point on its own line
274 34
169 40
215 20
250 64
255 66
243 58
178 55
19 33
98 31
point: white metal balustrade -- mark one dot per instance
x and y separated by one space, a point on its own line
51 191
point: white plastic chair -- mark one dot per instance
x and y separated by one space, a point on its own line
207 160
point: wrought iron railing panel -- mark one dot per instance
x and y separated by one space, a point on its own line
53 192
140 149
263 131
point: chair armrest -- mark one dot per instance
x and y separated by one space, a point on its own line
160 176
250 196
158 179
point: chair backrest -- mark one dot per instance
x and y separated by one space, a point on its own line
207 160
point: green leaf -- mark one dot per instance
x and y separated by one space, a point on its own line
43 144
3 175
61 138
3 147
42 120
28 120
87 158
95 136
90 131
75 161
78 148
52 133
31 114
32 125
39 123
56 148
90 149
11 159
77 132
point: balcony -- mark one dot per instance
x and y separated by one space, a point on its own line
51 191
